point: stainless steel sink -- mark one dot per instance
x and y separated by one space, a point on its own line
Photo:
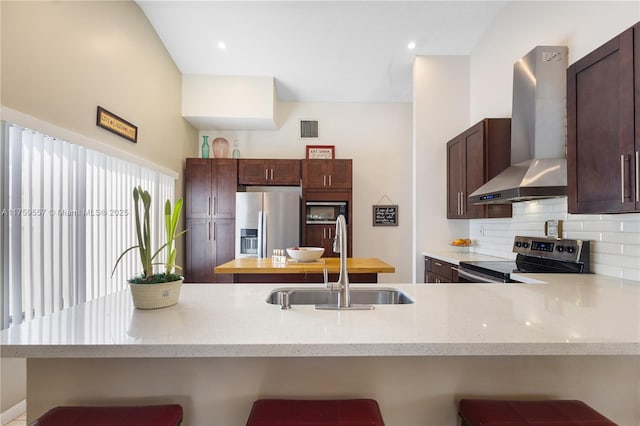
321 296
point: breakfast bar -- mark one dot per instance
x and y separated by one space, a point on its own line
222 347
264 270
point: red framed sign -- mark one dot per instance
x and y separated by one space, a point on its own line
321 152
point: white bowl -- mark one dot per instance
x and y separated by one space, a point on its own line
305 254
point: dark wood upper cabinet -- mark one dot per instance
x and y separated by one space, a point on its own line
327 174
603 121
210 187
473 157
268 172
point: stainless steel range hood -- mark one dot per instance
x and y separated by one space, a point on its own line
538 132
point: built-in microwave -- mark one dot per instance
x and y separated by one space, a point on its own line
324 212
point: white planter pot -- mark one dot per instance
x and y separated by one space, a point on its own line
154 296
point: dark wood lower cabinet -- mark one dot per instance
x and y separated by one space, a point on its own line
438 271
209 243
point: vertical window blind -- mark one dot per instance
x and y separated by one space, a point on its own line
67 214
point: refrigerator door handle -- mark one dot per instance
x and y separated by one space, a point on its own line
265 236
260 236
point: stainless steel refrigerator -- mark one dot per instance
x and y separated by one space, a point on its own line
266 221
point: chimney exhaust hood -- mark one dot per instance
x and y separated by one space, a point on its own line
538 132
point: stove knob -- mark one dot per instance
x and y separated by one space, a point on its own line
518 244
571 249
560 249
525 245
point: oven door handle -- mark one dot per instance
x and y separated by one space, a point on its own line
477 278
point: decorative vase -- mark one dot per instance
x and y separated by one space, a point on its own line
220 148
205 147
154 296
236 149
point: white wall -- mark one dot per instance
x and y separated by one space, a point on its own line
522 25
582 26
441 111
378 139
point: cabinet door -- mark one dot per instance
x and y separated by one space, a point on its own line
314 173
636 77
284 172
223 241
225 184
474 166
199 189
327 174
455 177
198 253
321 236
340 175
600 129
252 172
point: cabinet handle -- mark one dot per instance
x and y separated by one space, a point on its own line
459 211
214 231
324 180
637 177
438 263
462 202
324 235
209 231
622 178
266 174
329 180
209 206
215 206
330 234
271 174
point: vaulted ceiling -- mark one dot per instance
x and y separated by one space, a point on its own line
352 51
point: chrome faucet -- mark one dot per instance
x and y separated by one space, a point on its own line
342 285
340 246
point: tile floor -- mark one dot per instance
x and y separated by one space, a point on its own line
21 420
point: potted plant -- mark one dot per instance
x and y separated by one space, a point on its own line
151 290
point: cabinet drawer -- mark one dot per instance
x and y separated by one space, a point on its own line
443 269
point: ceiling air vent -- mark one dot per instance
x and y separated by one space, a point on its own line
308 129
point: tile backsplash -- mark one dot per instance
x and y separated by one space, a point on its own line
615 238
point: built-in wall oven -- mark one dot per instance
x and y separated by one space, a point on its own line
542 255
324 212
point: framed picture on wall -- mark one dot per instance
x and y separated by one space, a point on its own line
321 152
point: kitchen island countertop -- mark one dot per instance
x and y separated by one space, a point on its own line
254 265
566 315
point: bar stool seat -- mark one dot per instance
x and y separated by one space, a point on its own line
488 412
149 415
296 412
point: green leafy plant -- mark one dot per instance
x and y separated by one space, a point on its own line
143 234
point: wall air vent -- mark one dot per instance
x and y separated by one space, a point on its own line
308 129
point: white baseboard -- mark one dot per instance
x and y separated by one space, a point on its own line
13 412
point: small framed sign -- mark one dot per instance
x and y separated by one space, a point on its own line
321 152
385 215
117 125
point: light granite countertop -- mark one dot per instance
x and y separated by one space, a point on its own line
561 315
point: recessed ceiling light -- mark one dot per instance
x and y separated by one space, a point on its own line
221 45
411 45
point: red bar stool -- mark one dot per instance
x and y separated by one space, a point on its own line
490 412
295 412
149 415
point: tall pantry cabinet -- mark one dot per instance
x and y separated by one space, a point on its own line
210 198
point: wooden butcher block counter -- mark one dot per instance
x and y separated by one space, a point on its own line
263 270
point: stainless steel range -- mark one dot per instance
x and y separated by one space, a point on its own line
534 255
